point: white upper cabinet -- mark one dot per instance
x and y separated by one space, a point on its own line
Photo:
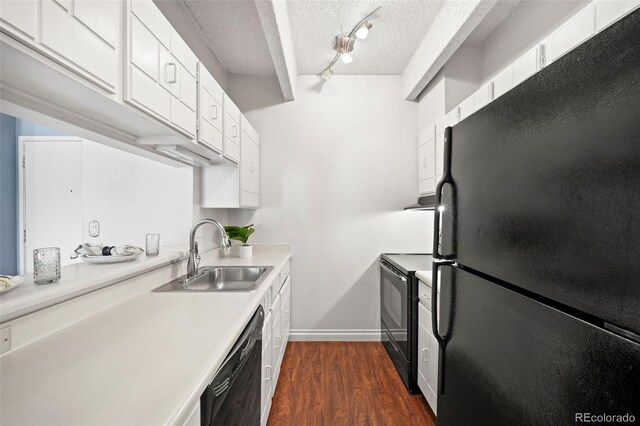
503 82
161 69
20 18
210 114
467 107
483 96
607 11
249 165
580 27
426 161
82 35
527 65
231 130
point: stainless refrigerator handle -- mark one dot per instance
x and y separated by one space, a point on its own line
400 277
446 179
434 321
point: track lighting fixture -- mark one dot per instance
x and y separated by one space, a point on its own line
344 43
363 31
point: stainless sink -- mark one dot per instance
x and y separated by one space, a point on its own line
220 279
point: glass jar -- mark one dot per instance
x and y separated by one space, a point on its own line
46 265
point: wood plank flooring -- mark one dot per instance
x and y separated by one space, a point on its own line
343 383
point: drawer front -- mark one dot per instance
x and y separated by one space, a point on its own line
424 293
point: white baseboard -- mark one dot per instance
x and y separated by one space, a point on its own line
335 335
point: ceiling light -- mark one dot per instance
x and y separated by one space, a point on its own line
326 75
363 31
344 43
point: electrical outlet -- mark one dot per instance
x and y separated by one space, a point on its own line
5 340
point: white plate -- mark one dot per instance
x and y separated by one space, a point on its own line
109 259
4 290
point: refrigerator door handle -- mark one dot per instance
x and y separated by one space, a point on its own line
442 341
446 179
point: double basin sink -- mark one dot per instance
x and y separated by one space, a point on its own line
219 279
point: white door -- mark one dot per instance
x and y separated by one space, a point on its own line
51 196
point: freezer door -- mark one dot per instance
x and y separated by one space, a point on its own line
547 181
514 361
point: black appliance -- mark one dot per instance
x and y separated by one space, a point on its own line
540 247
233 397
399 311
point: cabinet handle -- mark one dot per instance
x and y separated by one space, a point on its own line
171 69
424 163
425 354
277 340
287 315
214 112
269 373
235 131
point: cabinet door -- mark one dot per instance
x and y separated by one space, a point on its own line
576 30
85 34
439 155
19 18
231 137
145 87
427 167
607 12
286 313
503 82
267 368
427 358
527 65
210 110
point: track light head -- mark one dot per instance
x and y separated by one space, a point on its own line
363 31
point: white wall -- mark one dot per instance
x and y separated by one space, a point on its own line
337 167
132 196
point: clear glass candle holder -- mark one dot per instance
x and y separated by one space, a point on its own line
46 265
152 244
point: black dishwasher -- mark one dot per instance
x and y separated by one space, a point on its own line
233 397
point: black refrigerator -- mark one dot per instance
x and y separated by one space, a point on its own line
539 254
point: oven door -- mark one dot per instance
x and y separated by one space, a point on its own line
394 292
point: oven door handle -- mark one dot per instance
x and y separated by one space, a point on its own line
400 277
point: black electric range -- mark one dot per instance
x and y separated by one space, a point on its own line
399 311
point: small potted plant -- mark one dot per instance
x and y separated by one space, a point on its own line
242 234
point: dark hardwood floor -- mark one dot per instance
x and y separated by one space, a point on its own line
343 383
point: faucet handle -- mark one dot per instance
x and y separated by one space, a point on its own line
197 254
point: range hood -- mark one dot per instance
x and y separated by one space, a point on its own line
426 202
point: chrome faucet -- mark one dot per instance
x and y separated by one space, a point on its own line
194 258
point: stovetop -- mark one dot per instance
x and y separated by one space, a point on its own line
409 263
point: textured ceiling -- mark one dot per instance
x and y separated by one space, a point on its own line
234 34
500 11
396 33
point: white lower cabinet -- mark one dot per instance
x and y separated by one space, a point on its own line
427 358
275 336
267 370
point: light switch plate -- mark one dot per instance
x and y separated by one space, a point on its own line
5 340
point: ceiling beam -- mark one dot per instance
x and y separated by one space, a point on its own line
452 25
274 18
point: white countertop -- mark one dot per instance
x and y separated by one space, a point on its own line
424 276
78 279
143 361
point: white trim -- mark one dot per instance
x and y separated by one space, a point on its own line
335 335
